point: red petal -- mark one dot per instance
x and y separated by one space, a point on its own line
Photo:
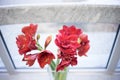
32 45
84 38
74 30
30 58
63 64
45 57
30 30
25 44
83 49
22 43
74 61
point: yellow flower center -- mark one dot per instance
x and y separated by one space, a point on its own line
79 40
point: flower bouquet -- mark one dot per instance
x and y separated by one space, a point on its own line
70 41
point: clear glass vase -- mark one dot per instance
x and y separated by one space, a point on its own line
60 75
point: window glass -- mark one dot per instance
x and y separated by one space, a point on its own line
101 38
101 41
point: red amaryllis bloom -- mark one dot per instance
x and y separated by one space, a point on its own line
30 58
66 62
30 30
25 44
67 39
62 65
45 57
84 45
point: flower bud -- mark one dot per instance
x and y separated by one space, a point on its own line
38 37
48 40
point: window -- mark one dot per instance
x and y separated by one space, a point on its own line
101 35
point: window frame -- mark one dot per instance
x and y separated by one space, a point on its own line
115 54
5 56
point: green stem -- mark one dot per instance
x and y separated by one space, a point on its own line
52 65
58 60
58 75
39 46
61 75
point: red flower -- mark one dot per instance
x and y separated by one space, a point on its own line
45 57
84 45
66 62
62 65
30 30
67 39
30 58
25 44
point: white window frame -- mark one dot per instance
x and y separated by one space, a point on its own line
114 59
5 57
110 68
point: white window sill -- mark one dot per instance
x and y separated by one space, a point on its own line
71 76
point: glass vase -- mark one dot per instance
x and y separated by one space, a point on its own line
60 75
